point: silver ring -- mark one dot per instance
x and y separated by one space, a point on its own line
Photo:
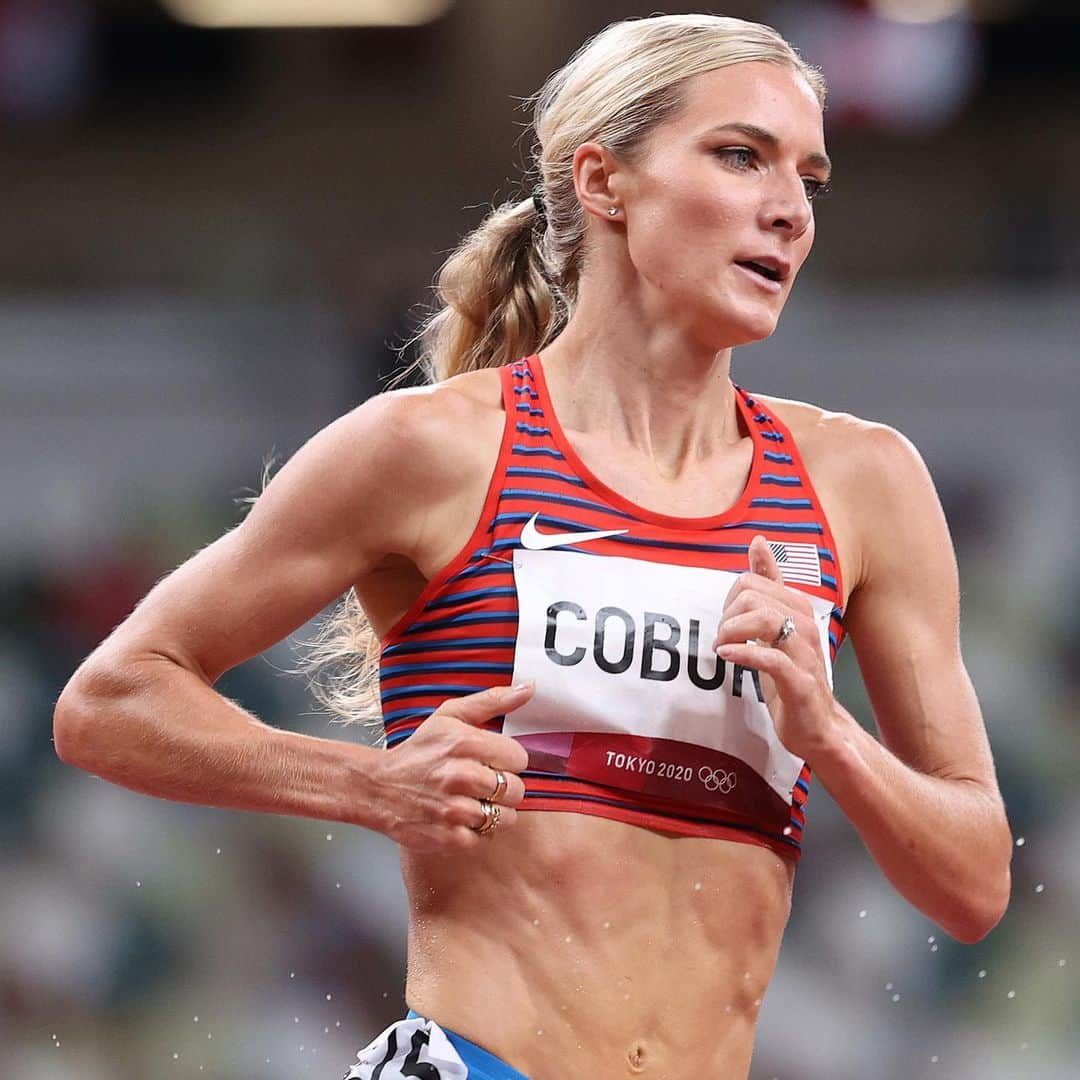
786 630
500 786
491 818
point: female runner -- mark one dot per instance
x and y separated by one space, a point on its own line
607 584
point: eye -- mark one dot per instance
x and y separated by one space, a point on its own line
739 156
815 188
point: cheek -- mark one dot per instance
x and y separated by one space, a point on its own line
683 233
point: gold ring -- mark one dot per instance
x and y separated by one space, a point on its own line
491 818
500 786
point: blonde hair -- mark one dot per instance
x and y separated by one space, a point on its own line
510 286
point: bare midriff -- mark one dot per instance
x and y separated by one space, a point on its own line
575 946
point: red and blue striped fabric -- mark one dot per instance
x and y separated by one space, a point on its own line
459 635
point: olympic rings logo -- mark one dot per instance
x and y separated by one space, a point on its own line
717 779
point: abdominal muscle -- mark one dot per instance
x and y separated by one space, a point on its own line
575 946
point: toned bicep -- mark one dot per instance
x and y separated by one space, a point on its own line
903 618
327 517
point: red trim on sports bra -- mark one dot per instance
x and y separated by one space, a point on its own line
480 530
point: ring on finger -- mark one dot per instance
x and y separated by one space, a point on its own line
491 818
787 629
500 786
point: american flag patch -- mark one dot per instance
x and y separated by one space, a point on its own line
797 562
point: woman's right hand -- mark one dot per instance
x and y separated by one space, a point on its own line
430 786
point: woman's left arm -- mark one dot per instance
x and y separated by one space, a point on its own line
925 799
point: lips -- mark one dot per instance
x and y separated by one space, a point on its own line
767 266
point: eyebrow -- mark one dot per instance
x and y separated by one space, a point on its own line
752 131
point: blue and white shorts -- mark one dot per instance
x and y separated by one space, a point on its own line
417 1048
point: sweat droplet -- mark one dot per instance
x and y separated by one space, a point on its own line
697 886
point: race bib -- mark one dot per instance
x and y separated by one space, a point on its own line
415 1047
628 690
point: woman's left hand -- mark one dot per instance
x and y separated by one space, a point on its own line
793 678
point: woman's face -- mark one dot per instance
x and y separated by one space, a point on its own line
726 184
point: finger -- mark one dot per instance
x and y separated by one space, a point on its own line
514 790
761 624
482 782
762 560
479 708
766 598
769 661
469 812
757 589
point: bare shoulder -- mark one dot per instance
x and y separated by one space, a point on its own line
404 454
433 431
838 440
865 473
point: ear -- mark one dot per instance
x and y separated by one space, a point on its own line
598 179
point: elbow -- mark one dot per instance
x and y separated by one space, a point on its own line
982 913
88 695
69 716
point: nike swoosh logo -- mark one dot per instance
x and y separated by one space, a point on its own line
535 540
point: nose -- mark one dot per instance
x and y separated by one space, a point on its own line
786 208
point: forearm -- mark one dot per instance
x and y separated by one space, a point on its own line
944 844
157 728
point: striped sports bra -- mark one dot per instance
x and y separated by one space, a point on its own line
612 609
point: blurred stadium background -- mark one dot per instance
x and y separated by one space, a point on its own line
211 238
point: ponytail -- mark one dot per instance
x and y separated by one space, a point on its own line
496 297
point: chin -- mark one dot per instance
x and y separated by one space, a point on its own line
732 332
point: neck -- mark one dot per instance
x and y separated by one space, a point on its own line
649 388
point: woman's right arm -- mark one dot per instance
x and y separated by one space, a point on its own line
141 710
